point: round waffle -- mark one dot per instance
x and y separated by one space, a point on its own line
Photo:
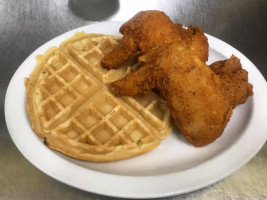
71 107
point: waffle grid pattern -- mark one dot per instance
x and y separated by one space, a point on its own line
151 107
80 114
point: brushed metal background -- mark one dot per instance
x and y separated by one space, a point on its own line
25 25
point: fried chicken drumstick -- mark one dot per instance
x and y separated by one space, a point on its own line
148 29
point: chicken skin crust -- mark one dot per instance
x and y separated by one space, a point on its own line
234 79
193 92
200 98
148 29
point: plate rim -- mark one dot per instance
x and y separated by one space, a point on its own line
142 181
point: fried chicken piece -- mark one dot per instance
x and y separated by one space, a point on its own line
234 79
193 92
148 29
235 85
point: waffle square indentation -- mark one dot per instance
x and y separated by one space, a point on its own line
50 109
88 118
72 131
56 62
103 133
69 73
105 104
120 118
94 58
81 45
159 109
81 84
65 97
136 133
53 85
144 100
45 74
106 46
88 140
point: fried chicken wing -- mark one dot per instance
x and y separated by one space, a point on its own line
193 92
148 29
234 79
200 97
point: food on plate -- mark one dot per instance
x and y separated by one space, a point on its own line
234 79
148 29
71 107
235 85
74 102
200 98
193 92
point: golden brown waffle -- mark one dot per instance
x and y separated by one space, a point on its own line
70 106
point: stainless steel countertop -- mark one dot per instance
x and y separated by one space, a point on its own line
25 25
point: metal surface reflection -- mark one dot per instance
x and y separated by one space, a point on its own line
25 25
94 10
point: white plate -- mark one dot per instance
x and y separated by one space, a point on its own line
175 167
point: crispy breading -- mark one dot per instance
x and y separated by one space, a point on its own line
200 98
148 29
193 92
234 79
